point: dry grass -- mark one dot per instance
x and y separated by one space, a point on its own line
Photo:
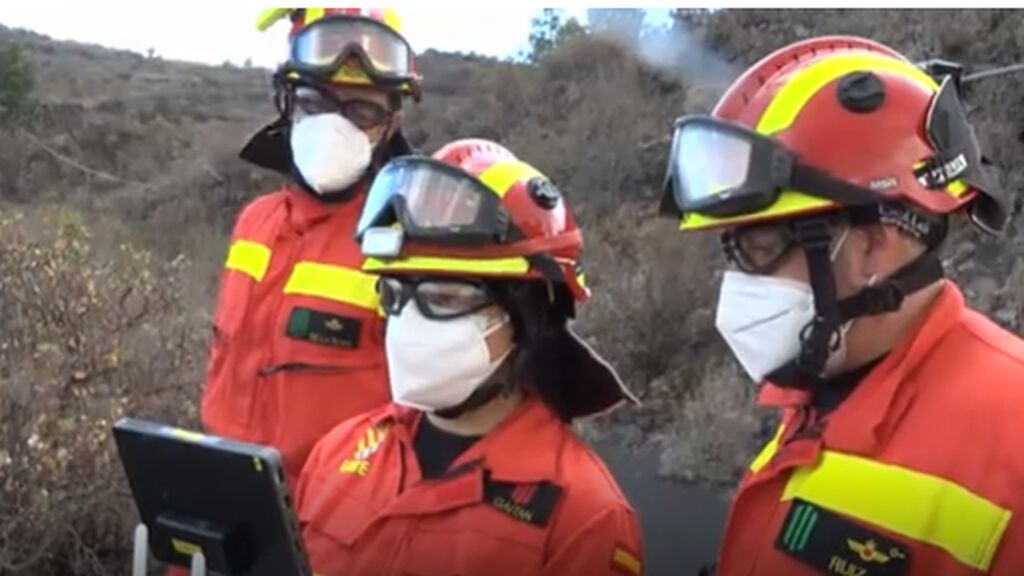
86 335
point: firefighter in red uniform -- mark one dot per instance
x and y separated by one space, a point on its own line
298 337
474 469
831 169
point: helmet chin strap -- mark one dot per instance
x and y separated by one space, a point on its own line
822 336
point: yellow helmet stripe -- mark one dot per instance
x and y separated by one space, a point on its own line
312 15
270 16
789 202
787 104
515 265
393 20
501 176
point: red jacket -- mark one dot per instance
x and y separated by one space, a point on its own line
298 340
920 472
529 498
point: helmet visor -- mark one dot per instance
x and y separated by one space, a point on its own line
958 156
435 202
324 45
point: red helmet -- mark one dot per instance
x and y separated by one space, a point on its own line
459 151
471 209
865 116
835 123
474 210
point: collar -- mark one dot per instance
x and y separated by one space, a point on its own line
864 420
525 447
305 211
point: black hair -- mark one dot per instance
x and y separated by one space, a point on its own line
539 312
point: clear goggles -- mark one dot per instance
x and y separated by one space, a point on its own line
721 170
323 47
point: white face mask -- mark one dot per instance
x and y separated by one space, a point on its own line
438 364
761 318
330 151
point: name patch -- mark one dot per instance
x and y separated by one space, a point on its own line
532 503
324 328
835 545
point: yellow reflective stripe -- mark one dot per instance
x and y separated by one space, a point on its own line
185 547
625 559
789 202
803 85
312 15
501 176
581 279
249 258
916 505
431 264
769 450
334 283
957 188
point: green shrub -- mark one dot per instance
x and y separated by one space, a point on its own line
17 81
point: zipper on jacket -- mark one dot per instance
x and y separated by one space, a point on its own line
301 367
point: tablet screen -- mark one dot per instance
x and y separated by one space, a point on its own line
197 492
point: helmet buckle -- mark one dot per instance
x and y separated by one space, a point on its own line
813 233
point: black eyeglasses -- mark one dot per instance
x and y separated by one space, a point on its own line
436 298
761 248
362 113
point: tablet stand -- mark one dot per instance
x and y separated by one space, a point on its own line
140 555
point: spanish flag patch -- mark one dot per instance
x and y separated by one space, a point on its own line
626 562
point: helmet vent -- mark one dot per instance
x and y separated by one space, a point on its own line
861 92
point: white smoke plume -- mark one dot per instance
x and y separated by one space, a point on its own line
665 43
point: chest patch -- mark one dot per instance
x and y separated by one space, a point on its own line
324 328
368 445
826 541
532 503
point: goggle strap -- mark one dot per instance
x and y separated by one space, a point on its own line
817 182
888 296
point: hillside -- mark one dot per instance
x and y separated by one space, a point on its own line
117 196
